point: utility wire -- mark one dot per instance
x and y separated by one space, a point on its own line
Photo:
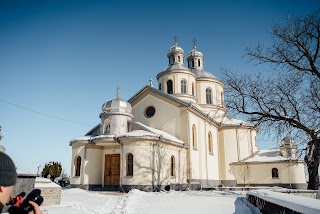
44 114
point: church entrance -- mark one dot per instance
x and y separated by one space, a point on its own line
112 170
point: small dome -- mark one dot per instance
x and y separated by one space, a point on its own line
117 105
287 141
203 74
194 53
175 49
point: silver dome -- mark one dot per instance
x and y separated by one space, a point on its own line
203 74
194 52
117 105
175 49
176 67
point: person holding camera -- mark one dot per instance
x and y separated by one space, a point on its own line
8 178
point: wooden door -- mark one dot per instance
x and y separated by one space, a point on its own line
112 170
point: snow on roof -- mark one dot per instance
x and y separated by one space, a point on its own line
21 172
159 133
138 133
146 131
84 138
266 155
227 120
103 136
44 182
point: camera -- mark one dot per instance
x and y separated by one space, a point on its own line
23 207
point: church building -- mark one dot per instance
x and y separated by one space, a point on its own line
178 134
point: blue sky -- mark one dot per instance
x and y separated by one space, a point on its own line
65 58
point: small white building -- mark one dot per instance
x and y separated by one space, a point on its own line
178 135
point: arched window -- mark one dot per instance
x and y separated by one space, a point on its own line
210 143
199 62
78 166
208 96
184 86
192 63
172 168
194 137
129 164
275 174
107 129
160 86
169 87
178 58
192 89
173 59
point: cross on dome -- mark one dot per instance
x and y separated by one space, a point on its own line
118 91
175 39
194 43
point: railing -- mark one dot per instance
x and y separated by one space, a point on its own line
274 202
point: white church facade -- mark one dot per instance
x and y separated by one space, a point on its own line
178 134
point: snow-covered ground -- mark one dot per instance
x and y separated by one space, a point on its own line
81 201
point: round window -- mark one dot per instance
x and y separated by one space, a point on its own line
150 111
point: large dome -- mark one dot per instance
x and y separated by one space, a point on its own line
203 74
117 105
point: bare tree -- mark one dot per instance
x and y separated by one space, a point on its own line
288 100
244 172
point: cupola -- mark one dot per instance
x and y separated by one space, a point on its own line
195 58
288 148
176 54
116 113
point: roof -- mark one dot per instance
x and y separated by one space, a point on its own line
176 66
203 74
141 132
159 133
189 105
144 131
266 155
227 120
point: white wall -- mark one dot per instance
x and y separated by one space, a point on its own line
261 173
142 152
235 144
166 118
203 164
90 172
